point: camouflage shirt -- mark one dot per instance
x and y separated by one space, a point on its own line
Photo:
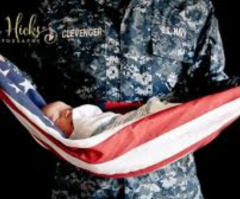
131 50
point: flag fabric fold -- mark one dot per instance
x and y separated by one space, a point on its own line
132 148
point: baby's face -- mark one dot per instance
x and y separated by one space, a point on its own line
61 115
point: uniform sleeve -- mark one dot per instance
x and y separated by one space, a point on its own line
205 75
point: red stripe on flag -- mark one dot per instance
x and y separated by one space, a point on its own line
170 160
110 105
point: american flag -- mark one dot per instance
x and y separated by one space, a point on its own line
131 149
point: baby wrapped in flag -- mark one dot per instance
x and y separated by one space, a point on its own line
89 120
113 145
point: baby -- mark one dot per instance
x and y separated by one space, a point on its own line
77 123
87 120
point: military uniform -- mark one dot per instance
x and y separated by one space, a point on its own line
131 50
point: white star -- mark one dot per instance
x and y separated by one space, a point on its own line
15 87
27 86
4 72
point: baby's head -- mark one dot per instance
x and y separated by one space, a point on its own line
61 115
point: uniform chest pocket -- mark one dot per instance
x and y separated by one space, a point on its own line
172 42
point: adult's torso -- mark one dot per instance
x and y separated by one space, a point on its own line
123 50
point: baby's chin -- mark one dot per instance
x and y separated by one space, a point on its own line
68 132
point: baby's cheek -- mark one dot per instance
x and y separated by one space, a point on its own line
68 125
71 126
58 124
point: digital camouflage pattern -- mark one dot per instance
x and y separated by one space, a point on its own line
131 50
